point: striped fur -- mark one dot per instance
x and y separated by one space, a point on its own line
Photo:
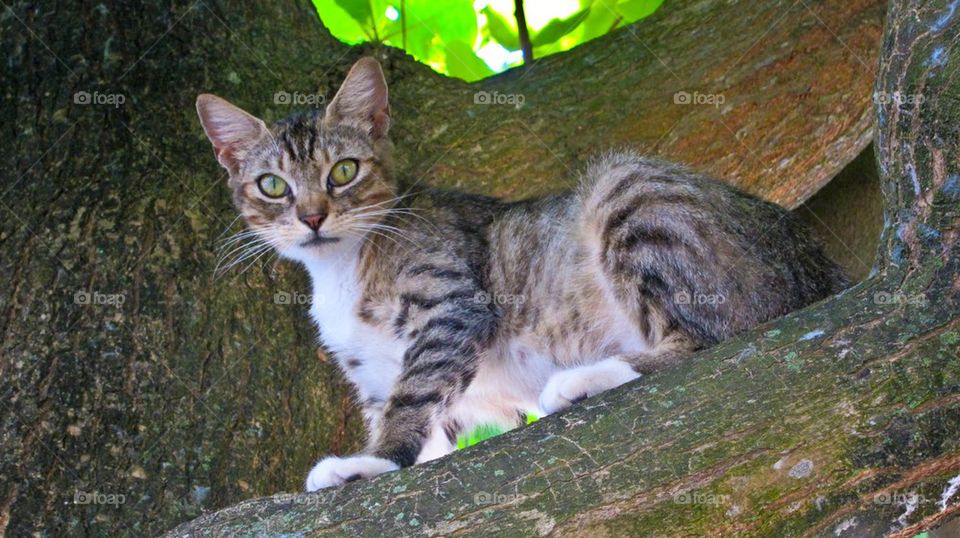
448 310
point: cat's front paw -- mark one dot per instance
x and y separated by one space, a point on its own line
567 387
334 471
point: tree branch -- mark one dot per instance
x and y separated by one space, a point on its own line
524 32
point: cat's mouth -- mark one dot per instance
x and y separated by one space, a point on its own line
319 240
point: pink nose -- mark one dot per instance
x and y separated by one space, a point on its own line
313 221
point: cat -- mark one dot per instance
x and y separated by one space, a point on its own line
449 310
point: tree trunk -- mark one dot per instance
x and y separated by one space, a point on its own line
197 392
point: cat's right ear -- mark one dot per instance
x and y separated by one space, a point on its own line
362 100
232 131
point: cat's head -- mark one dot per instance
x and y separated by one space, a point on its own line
309 185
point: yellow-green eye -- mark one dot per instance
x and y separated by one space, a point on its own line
343 172
272 186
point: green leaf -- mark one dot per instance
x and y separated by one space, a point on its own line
430 25
601 20
557 28
340 23
359 10
463 63
501 30
634 10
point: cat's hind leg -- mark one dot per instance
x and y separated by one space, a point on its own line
569 386
643 232
656 244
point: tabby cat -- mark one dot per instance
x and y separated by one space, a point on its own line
449 310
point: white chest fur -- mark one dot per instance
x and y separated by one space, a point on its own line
370 357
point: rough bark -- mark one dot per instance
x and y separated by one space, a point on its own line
198 392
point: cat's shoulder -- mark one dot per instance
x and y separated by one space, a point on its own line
448 207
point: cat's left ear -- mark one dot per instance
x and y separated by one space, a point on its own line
232 131
362 100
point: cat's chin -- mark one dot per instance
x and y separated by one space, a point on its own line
319 241
313 251
307 254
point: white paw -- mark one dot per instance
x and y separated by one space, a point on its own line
569 386
334 471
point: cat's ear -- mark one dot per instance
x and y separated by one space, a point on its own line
362 100
232 131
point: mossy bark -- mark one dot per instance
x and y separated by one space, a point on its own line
197 392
